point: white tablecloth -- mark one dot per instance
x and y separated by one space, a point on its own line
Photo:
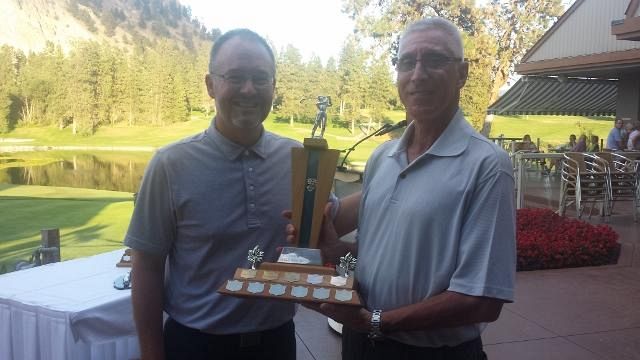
67 310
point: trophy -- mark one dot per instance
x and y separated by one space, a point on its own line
298 275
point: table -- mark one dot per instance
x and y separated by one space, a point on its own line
67 310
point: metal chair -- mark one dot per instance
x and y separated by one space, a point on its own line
584 179
623 180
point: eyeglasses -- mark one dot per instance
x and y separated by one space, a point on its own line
428 62
258 80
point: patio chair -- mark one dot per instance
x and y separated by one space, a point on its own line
623 180
584 179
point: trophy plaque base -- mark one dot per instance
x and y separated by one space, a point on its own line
292 282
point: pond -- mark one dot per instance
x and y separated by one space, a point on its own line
116 171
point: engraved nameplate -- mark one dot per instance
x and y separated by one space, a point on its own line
248 274
255 287
299 291
234 285
315 279
277 289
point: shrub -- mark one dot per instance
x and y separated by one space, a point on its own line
547 240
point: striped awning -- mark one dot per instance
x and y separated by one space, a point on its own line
541 95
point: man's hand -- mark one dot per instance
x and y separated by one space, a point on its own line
357 319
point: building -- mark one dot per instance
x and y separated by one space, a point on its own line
587 63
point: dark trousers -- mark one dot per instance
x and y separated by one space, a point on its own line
181 342
357 346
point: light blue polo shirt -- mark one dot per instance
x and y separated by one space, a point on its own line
444 222
205 202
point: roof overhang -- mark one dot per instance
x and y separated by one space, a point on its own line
628 29
538 95
605 65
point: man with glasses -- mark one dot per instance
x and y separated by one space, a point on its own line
436 220
204 202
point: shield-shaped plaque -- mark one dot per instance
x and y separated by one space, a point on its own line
248 274
338 281
277 289
269 275
344 295
291 277
299 291
315 279
234 285
321 293
255 287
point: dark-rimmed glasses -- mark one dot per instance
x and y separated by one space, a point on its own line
237 80
428 62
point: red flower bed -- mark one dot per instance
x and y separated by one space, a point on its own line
547 240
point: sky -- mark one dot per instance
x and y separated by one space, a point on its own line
312 26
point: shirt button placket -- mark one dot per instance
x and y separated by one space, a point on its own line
252 219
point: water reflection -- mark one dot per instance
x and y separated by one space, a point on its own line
108 171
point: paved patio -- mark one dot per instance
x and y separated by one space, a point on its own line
582 313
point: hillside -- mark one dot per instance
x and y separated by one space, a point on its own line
29 24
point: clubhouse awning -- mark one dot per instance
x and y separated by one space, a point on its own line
541 95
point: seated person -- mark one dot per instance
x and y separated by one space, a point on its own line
593 146
527 144
581 145
571 143
634 137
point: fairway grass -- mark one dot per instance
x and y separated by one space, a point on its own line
551 130
95 221
90 221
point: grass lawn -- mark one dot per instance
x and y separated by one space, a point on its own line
90 221
551 130
94 221
337 137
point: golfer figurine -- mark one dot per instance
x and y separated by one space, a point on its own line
322 103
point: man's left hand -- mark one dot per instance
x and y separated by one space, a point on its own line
357 319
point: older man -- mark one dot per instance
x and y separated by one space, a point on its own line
204 202
436 220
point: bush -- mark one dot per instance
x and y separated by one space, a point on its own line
547 240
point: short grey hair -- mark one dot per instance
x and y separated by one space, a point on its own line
441 24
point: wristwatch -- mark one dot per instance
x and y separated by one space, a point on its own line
376 319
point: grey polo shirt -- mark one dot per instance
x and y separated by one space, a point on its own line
444 222
205 202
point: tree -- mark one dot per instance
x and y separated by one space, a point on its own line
380 89
353 80
505 29
516 25
289 87
7 79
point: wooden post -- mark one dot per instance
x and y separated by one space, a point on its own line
50 239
